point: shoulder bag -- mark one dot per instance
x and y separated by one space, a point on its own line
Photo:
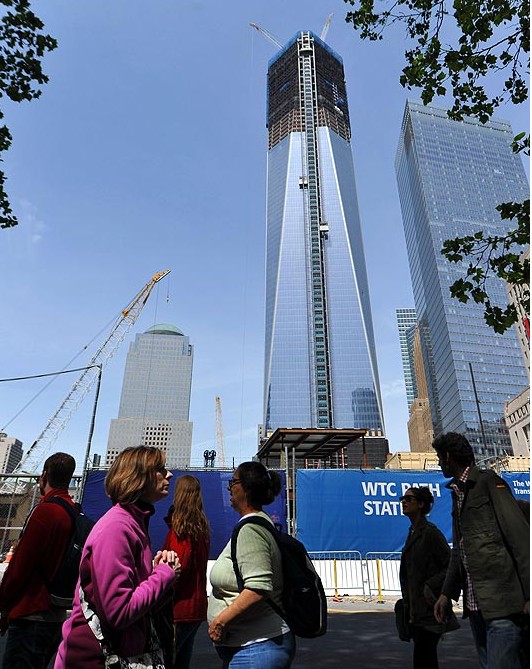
152 659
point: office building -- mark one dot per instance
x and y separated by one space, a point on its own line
155 399
451 176
10 453
517 410
420 432
406 323
320 360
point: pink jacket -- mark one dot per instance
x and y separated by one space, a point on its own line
121 585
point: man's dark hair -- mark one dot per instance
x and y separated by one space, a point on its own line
457 446
59 469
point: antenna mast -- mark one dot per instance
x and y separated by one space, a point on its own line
220 439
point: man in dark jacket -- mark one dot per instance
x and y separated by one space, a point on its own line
34 625
490 557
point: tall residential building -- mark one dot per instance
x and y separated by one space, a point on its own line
406 324
10 453
320 360
451 176
155 400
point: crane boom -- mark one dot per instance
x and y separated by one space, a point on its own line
220 439
41 446
326 28
267 35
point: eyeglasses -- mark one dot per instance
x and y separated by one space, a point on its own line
162 471
408 498
231 483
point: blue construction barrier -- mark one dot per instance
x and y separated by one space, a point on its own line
215 498
359 510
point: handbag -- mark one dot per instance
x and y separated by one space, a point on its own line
151 659
401 621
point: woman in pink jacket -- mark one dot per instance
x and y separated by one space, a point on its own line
118 580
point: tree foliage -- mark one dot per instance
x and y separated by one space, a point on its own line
22 46
467 48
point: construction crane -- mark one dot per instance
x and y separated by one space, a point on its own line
326 28
219 432
41 446
267 35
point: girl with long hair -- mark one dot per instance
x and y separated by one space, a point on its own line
189 538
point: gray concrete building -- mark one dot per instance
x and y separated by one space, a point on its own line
155 399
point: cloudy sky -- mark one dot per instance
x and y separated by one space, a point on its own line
147 151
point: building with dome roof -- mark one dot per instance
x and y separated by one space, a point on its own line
155 400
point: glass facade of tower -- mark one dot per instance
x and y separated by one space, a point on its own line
155 399
451 176
406 324
320 360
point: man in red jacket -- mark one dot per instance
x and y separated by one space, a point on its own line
34 625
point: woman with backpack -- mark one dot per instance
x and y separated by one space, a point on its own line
245 629
189 538
120 584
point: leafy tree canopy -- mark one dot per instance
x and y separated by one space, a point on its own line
22 46
467 48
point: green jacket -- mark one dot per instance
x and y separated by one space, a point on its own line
424 561
496 539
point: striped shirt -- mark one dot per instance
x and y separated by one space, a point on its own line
458 485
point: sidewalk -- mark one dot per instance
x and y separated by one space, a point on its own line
370 605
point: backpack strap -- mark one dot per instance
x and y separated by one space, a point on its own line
72 509
254 520
73 512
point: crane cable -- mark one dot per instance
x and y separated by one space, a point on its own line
54 374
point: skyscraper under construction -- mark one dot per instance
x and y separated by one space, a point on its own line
320 359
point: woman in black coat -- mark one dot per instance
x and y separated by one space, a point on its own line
424 561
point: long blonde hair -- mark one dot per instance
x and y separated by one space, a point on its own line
189 516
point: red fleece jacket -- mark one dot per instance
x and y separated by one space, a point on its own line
190 591
37 556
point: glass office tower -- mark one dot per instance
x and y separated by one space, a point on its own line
155 399
406 324
451 176
320 360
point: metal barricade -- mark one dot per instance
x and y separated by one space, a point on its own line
340 571
382 570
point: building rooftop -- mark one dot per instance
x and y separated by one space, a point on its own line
165 329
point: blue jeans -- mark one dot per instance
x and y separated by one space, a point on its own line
498 641
184 642
276 653
31 644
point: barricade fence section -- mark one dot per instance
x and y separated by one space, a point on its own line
382 573
340 571
349 574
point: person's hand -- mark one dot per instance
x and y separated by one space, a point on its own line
429 596
216 630
442 608
526 610
170 558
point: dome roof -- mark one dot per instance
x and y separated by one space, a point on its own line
165 329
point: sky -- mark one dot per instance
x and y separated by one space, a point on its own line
147 151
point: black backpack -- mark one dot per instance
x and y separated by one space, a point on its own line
63 584
304 605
